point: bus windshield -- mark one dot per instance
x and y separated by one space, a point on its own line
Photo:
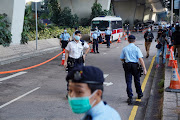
102 25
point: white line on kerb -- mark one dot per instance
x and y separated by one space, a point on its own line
4 105
11 76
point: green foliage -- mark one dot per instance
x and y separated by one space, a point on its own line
97 11
5 34
67 19
53 32
62 17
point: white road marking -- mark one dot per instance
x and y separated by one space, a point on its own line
11 76
117 47
104 53
14 100
107 83
106 75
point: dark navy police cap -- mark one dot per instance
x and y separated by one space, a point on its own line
131 37
77 32
86 74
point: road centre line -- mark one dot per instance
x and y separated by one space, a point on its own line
14 100
11 76
135 108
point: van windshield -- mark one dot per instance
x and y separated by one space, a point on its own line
102 25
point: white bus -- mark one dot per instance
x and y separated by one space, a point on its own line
114 23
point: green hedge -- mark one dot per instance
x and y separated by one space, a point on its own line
54 32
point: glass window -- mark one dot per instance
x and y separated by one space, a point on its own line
102 25
116 24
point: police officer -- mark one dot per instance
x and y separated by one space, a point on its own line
95 41
131 55
74 52
64 39
108 34
148 36
76 29
85 94
99 35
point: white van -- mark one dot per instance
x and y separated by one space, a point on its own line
114 23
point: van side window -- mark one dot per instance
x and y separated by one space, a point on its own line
116 24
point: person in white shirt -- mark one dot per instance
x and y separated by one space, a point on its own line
74 55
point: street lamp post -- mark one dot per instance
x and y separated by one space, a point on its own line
36 21
172 11
36 25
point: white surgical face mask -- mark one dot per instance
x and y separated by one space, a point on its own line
149 30
77 37
65 31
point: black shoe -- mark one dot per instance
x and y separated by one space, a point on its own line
108 46
129 101
94 52
97 52
140 96
67 96
147 56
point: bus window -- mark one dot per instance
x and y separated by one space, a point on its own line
102 25
116 24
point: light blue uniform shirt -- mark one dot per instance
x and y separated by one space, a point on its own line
131 53
103 112
99 33
95 35
65 36
108 32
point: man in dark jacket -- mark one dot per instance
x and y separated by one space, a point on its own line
176 40
148 36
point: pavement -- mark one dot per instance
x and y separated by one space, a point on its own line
171 102
15 53
39 93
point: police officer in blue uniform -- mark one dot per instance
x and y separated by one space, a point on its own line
85 94
64 39
95 41
108 34
99 35
131 55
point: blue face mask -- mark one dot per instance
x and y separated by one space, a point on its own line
77 37
80 104
65 31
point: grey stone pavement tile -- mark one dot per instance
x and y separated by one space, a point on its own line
18 52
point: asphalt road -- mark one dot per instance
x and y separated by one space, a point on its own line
39 93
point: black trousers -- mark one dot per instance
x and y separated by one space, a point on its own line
64 44
131 69
95 44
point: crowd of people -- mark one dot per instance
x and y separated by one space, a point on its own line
85 83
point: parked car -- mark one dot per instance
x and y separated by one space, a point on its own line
139 26
156 26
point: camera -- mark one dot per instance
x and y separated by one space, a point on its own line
140 69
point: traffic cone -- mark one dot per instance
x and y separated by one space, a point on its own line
171 59
119 39
175 81
168 54
92 51
126 37
129 32
63 57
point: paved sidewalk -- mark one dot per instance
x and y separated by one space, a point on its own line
171 102
18 52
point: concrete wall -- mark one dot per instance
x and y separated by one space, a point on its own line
15 11
83 7
126 10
